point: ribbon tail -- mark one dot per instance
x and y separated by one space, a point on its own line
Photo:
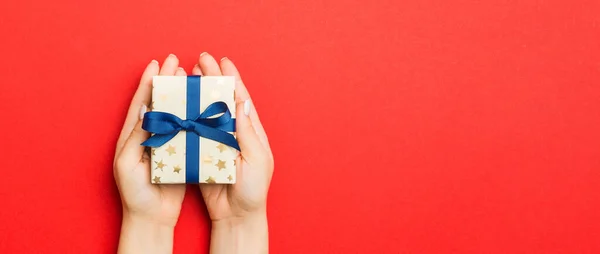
217 135
229 126
158 140
227 139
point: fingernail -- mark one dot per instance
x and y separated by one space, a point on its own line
203 53
247 107
180 68
172 55
223 59
154 61
143 111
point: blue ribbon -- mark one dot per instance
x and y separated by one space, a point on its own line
165 126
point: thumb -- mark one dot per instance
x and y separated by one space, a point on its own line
133 150
245 133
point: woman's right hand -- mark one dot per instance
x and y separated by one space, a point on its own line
239 211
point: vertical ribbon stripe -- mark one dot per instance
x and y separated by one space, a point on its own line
192 162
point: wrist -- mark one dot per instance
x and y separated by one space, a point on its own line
149 218
144 235
137 221
245 234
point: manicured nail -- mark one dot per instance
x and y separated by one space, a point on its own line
143 111
172 55
180 68
154 61
247 107
203 53
223 59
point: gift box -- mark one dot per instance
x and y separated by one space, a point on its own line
192 126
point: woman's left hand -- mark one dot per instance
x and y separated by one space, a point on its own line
150 212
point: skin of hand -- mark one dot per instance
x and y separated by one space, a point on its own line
150 212
238 211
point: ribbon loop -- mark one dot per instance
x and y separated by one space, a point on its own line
165 126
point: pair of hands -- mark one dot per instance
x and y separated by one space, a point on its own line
150 212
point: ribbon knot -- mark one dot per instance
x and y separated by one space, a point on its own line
165 126
188 125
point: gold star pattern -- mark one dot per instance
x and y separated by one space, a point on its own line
171 150
152 106
156 179
221 147
230 178
160 165
207 159
162 97
176 169
221 165
210 179
153 152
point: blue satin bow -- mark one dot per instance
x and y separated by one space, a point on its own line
165 126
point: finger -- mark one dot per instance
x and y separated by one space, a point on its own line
180 72
241 94
196 70
250 144
133 151
142 97
208 65
135 134
170 65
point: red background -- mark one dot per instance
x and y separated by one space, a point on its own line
426 126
